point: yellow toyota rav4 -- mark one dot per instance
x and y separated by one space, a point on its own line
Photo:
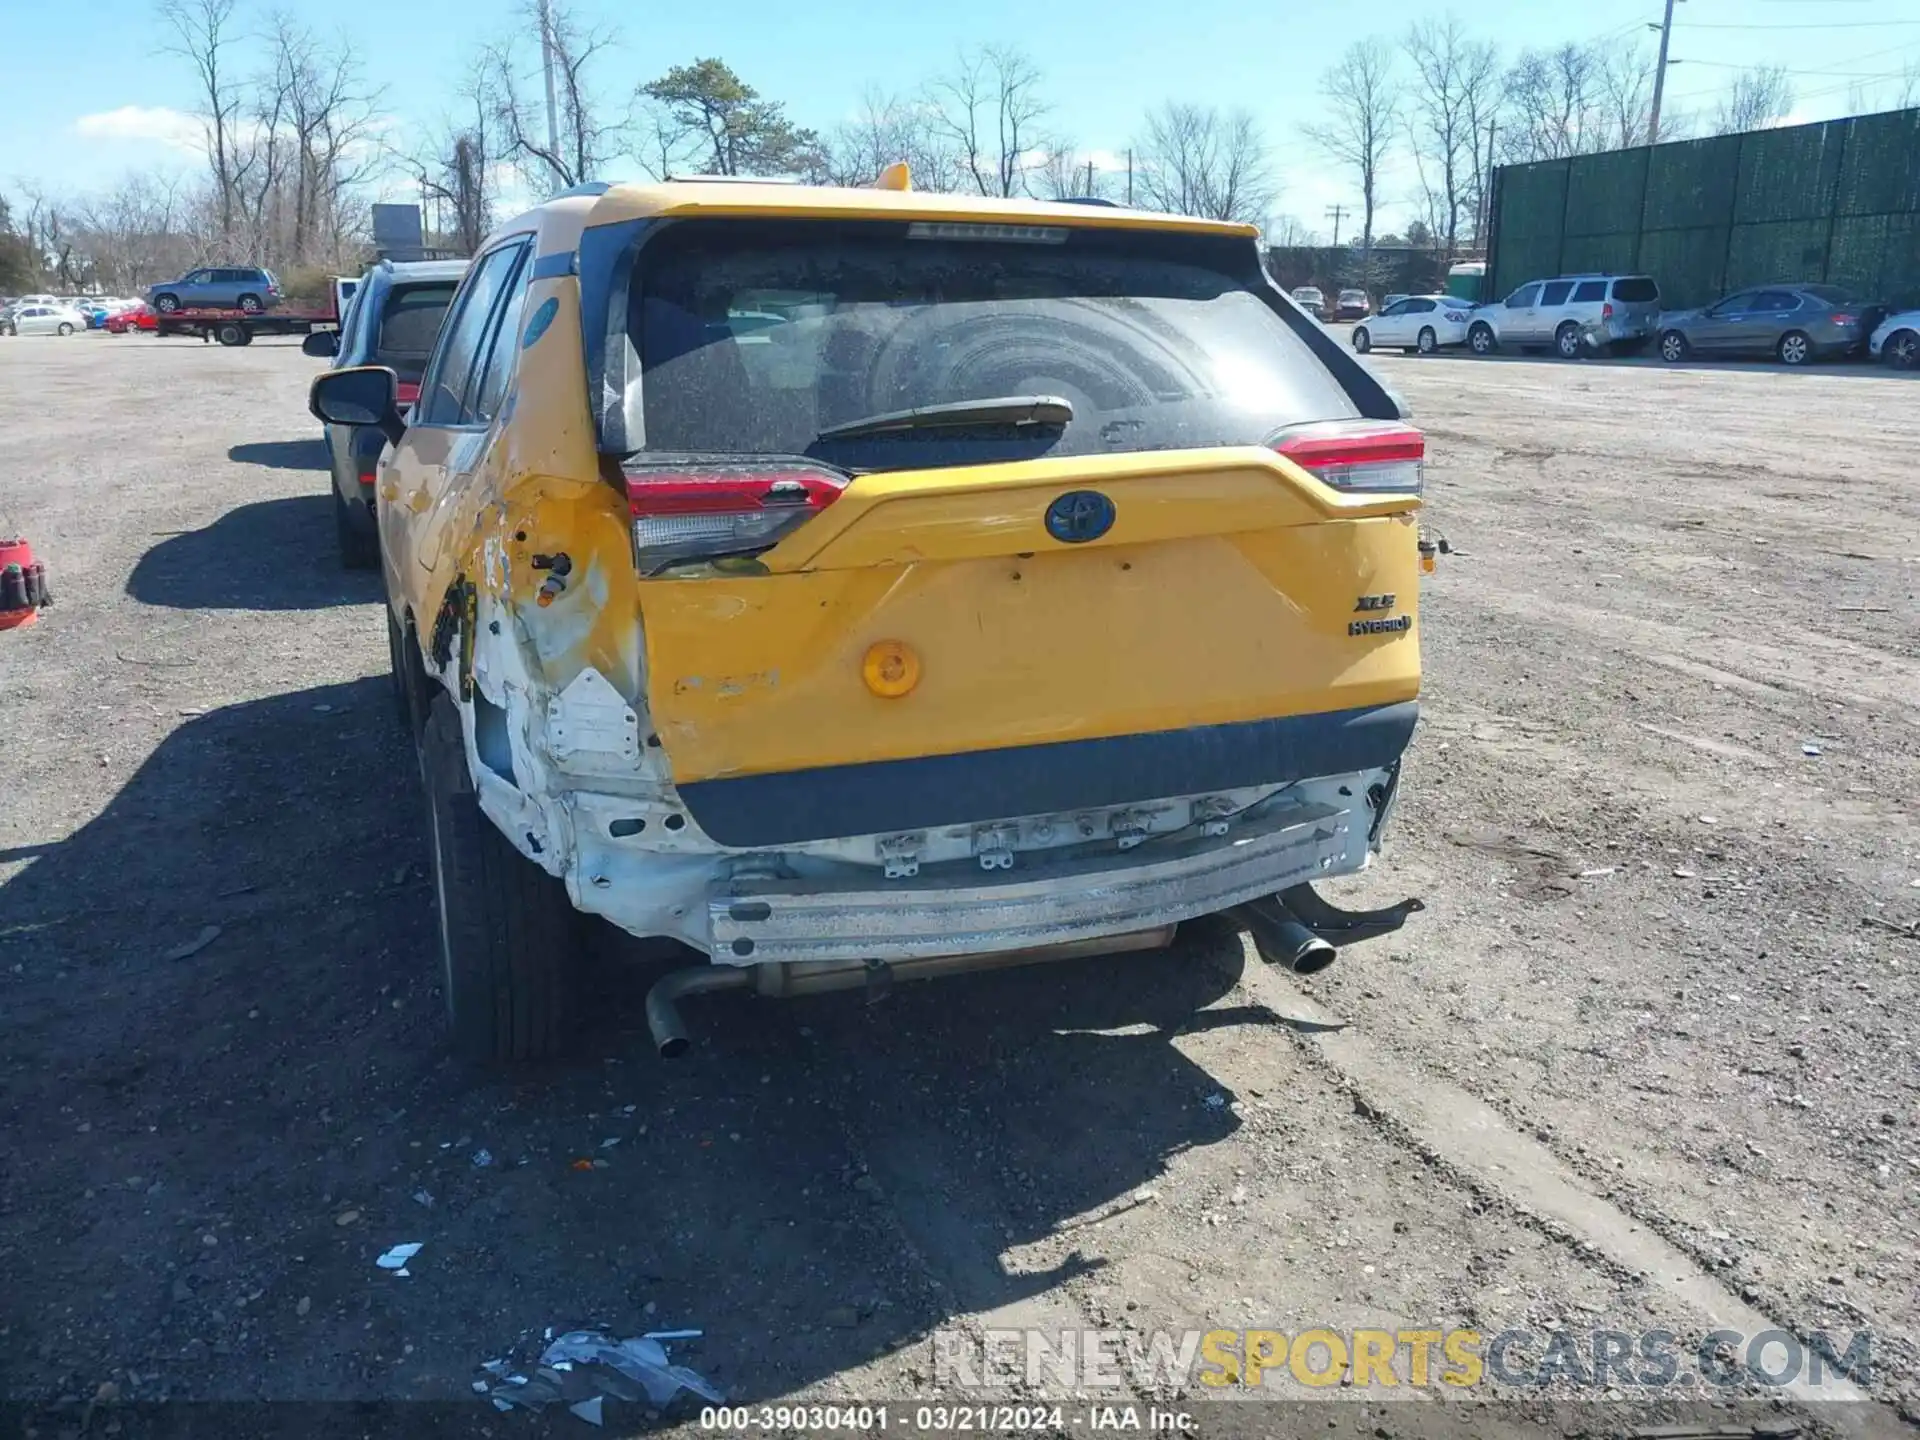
869 584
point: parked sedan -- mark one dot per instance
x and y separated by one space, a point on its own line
1897 340
1417 322
1353 305
1796 324
44 320
1309 299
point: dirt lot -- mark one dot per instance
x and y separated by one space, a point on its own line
1648 1060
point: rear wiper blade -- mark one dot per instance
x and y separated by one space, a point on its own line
1001 410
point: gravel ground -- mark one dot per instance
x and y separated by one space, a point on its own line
1647 1061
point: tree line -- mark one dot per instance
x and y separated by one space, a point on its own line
298 142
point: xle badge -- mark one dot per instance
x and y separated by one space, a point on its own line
1079 516
1375 604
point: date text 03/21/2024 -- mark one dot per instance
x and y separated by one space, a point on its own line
938 1419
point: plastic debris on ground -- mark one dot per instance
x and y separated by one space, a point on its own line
1809 748
396 1259
482 1159
584 1368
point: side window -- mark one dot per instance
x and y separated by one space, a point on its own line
464 336
1523 298
502 344
1556 293
199 277
1590 292
1776 302
1735 304
1420 307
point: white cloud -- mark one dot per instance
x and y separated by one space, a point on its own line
152 123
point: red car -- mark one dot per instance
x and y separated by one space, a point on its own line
140 317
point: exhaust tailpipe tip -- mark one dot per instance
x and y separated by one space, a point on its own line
669 1031
1282 940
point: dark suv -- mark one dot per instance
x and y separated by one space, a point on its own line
228 287
393 321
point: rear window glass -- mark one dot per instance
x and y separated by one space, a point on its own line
410 322
1588 291
1635 289
755 336
1831 294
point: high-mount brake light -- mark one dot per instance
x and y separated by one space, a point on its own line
1381 456
696 511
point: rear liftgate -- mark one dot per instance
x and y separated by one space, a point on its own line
924 649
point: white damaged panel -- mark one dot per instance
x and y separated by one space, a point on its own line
591 726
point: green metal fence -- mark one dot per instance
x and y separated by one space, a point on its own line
1838 202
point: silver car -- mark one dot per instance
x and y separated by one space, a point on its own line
225 287
1572 314
42 320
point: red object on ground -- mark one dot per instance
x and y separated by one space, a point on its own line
23 585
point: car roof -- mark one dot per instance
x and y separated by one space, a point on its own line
423 269
559 221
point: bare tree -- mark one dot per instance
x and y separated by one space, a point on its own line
1066 174
1760 97
988 110
1362 105
201 32
1555 105
1453 78
1288 232
453 168
1198 160
587 136
1623 79
888 130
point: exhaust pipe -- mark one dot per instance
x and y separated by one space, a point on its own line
818 977
663 1001
1282 940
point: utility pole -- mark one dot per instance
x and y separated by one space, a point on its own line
1660 74
1337 213
1129 176
1089 179
553 110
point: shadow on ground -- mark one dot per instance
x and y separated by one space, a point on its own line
223 1075
309 454
270 555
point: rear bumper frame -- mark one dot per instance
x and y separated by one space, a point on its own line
784 921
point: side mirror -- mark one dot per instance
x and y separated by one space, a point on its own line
321 344
359 395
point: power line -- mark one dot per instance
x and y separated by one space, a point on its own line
1796 25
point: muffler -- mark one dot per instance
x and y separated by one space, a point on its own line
663 1001
1282 940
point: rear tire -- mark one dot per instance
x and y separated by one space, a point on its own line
1566 341
1902 350
357 539
1362 341
508 935
230 334
65 328
250 305
1480 339
1673 347
1427 341
1795 348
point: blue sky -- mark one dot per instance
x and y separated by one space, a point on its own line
111 104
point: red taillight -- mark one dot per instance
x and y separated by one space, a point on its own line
408 392
1846 319
705 512
366 478
1379 455
1606 312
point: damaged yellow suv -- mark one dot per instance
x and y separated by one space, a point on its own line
868 584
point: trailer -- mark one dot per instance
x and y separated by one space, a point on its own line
233 326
